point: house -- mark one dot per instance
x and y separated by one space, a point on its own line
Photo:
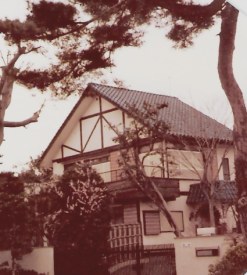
87 135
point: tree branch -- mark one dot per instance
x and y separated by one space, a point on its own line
82 25
21 50
32 119
191 12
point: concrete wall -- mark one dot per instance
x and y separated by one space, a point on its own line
41 259
185 249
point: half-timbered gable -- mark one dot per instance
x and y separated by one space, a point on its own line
88 132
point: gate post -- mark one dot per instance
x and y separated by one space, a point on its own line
138 259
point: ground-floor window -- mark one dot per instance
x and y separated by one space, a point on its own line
151 220
178 218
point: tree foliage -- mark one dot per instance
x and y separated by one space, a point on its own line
234 262
19 226
78 226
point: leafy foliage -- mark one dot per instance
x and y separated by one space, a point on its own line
83 34
79 225
234 262
19 224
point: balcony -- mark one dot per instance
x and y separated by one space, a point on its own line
123 189
125 235
119 174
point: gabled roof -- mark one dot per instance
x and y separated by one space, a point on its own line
225 192
183 119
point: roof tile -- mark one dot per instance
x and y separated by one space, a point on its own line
226 192
182 119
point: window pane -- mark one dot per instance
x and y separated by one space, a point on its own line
153 165
177 216
130 214
226 170
151 222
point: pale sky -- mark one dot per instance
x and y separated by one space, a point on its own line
190 75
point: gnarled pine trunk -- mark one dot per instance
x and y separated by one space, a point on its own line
236 100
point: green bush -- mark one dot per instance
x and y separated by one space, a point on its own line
234 262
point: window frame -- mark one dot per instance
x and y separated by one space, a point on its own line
226 169
144 213
175 211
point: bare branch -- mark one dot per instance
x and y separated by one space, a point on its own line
23 123
32 119
4 62
21 50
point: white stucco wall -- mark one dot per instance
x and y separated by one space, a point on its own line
167 237
106 105
41 259
114 119
92 107
187 263
73 141
58 168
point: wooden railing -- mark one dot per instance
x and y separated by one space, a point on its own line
125 243
125 235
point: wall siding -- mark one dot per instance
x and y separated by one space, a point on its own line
130 214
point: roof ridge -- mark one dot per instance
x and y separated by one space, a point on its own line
131 90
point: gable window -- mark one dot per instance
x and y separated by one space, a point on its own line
178 218
226 169
151 220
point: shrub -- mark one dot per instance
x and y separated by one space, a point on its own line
234 262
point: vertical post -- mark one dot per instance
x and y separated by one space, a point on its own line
138 259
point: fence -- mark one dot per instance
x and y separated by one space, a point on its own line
127 255
137 260
125 235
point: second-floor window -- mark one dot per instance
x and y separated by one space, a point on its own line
153 165
185 164
226 169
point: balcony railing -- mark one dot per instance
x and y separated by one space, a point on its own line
125 243
125 235
119 174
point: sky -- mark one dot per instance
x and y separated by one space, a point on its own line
190 74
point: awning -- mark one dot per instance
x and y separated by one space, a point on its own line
226 192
